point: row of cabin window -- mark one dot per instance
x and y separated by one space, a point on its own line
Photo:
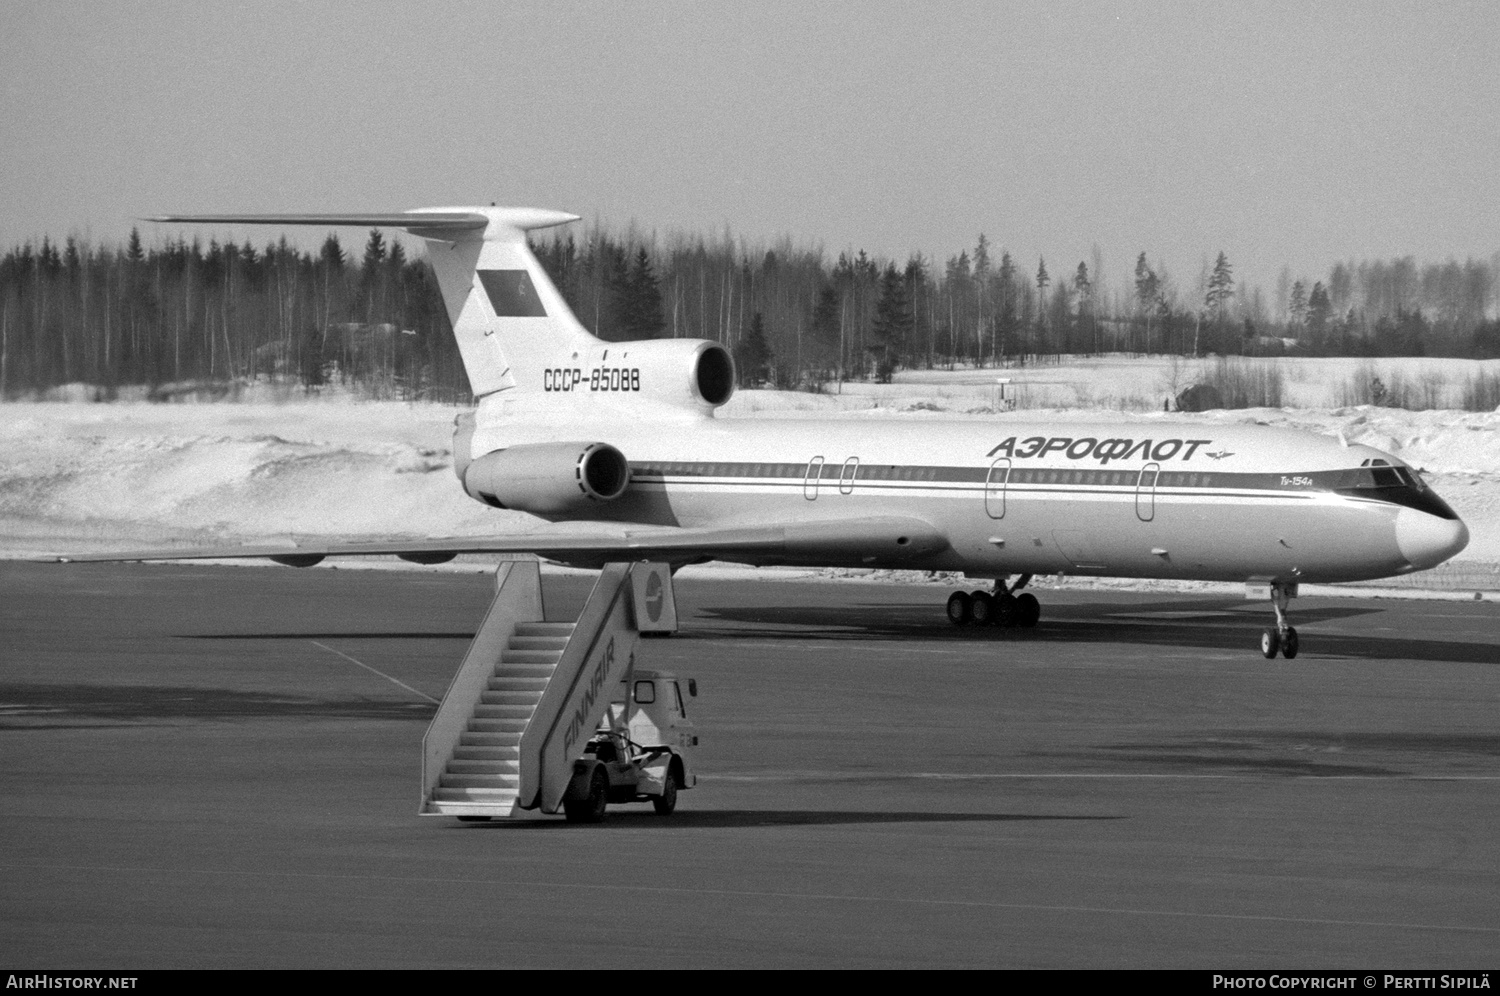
872 472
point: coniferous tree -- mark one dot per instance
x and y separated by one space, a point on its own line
892 326
1319 307
1042 280
1297 305
982 300
1006 325
642 312
1220 288
1147 287
1084 289
752 354
821 356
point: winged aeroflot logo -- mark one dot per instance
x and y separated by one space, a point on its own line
1221 454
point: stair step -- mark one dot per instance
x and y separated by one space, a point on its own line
543 631
468 752
472 766
496 741
481 781
497 796
553 644
530 661
532 686
496 726
516 712
499 808
508 697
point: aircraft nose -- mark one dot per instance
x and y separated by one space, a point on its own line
1427 540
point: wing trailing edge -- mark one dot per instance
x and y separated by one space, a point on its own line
873 539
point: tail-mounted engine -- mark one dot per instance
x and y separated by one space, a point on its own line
685 373
548 478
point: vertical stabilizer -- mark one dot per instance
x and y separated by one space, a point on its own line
510 322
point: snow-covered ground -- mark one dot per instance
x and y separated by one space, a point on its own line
77 477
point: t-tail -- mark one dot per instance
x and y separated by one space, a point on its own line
515 331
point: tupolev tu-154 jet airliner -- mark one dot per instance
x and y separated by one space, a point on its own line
621 437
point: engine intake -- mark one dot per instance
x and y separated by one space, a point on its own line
685 373
548 478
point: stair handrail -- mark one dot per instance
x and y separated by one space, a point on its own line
600 650
518 599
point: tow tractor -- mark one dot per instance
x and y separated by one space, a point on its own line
638 754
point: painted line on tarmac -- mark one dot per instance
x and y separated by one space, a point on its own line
864 645
394 681
766 894
943 776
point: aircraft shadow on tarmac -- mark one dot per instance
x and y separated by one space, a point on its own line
690 819
362 635
52 706
1208 624
1299 753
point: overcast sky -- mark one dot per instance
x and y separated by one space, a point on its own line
1290 133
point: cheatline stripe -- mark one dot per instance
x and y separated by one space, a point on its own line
867 475
917 487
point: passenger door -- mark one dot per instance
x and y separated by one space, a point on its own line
847 475
1145 492
810 480
994 488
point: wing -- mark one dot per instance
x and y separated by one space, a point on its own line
859 540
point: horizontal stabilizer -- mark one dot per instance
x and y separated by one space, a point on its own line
443 224
454 222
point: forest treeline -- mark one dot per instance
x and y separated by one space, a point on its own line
180 313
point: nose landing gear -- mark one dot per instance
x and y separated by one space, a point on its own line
1002 608
1284 637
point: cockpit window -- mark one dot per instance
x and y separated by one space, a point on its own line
1398 485
1382 477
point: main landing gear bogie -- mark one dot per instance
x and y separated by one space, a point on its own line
1002 608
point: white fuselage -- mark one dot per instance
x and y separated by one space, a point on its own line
1150 500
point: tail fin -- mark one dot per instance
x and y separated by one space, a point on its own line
511 323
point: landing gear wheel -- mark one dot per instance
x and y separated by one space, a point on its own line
1289 643
1270 642
958 608
591 809
1028 610
667 801
982 608
1006 611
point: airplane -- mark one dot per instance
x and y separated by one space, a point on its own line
616 446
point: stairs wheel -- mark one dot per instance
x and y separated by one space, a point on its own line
590 809
667 801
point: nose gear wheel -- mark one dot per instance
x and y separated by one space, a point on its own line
1282 639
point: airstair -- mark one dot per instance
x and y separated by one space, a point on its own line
530 693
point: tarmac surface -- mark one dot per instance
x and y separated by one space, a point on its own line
218 767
